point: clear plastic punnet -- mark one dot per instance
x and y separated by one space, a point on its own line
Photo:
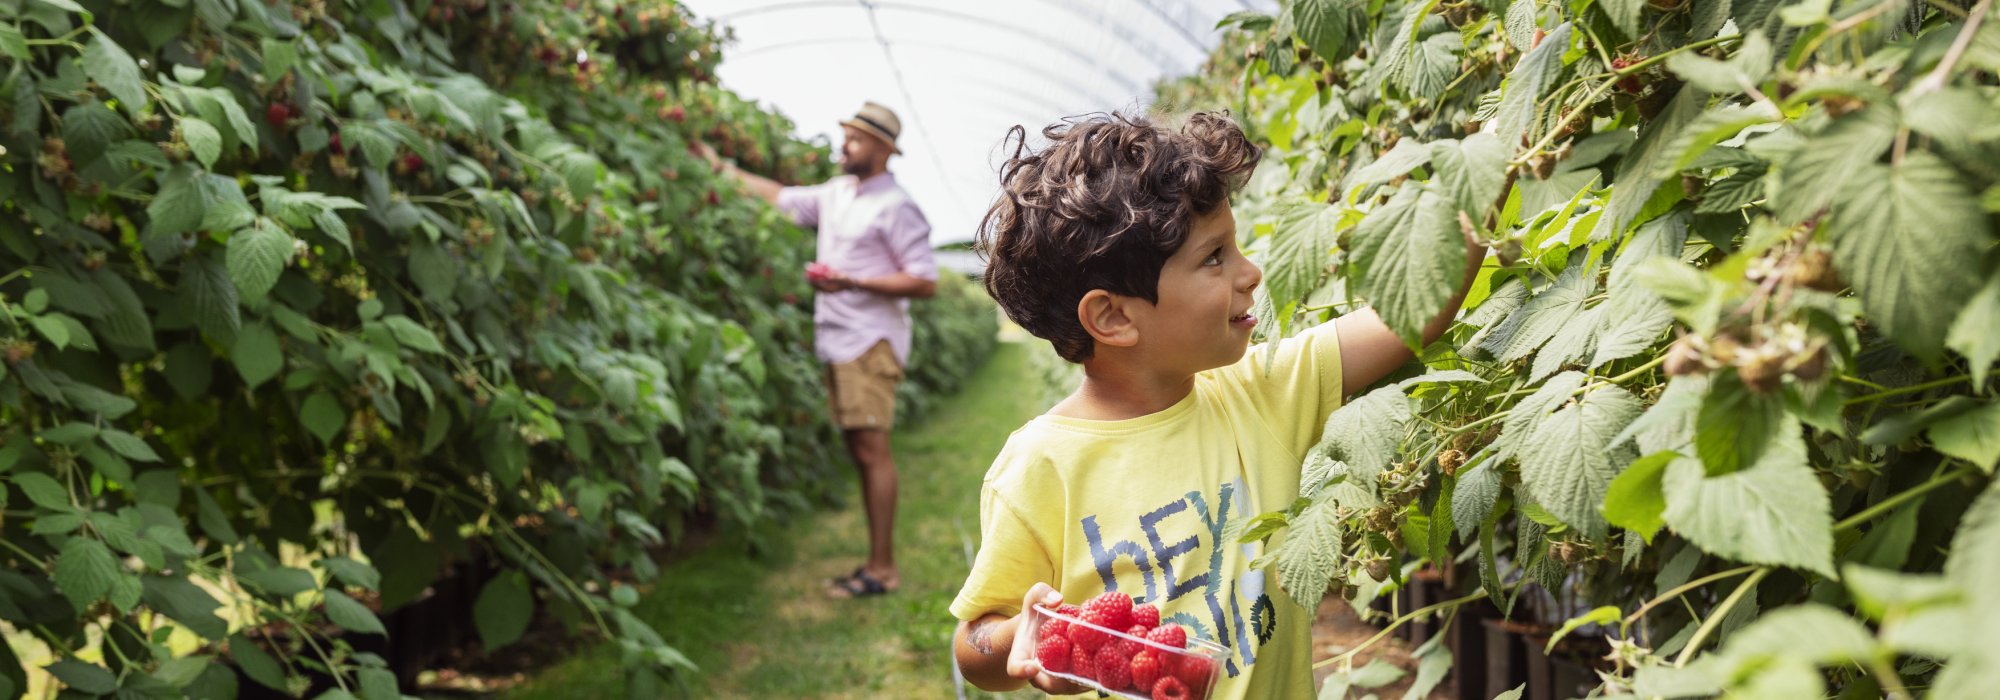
1126 665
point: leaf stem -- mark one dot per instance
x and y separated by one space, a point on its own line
1945 476
1603 53
1398 622
1892 682
1863 382
1636 372
25 556
1334 305
1914 388
1481 423
64 40
1716 616
1678 591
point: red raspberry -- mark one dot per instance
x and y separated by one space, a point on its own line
1088 638
278 114
1146 615
1195 671
1146 669
1114 668
1170 688
1054 627
676 114
1111 609
1082 662
1630 83
1054 653
1170 636
1069 610
1132 646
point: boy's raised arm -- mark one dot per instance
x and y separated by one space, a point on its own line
1369 350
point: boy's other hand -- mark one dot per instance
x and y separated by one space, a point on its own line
1021 661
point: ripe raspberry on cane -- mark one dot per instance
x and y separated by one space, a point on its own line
1630 83
1146 615
1054 653
1170 688
1146 669
1114 668
1110 609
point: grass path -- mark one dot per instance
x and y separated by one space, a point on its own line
760 627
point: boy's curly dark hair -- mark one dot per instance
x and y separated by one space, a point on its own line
1102 206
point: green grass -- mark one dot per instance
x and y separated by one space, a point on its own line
761 627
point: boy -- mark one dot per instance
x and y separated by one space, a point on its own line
1116 244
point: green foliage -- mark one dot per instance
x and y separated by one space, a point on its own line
953 332
1739 322
303 305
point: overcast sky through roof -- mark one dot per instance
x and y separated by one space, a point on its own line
959 73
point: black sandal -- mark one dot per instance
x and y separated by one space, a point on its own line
841 581
860 585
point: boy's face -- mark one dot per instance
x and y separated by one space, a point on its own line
1202 320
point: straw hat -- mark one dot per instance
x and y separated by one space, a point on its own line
878 120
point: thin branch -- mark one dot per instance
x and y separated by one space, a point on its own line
1935 80
1398 622
1606 86
1899 391
1944 477
1716 616
1678 591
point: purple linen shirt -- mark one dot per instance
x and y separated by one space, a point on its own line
866 229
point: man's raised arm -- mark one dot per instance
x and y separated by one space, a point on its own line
762 187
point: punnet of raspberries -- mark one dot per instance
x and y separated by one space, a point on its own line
1123 647
817 271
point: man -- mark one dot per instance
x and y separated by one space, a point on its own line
877 244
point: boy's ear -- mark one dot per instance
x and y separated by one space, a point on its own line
1104 316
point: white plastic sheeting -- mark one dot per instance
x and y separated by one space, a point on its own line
959 73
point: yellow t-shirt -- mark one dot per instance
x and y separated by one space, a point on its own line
1140 505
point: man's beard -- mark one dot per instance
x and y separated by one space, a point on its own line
854 167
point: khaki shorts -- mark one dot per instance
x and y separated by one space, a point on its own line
862 393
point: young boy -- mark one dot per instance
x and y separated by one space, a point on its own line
1116 244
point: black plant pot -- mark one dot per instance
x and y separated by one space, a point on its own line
1506 659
